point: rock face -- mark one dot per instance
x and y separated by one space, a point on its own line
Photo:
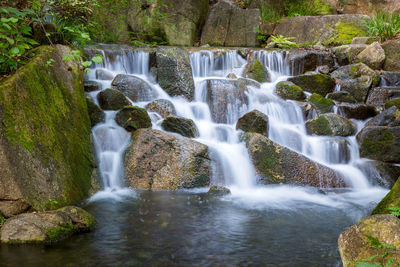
95 113
346 54
326 30
341 96
380 143
330 125
46 158
392 51
288 90
389 117
378 96
257 71
253 122
373 56
229 25
46 227
182 126
321 104
276 164
173 71
133 87
357 111
314 83
158 160
374 235
133 118
163 107
112 99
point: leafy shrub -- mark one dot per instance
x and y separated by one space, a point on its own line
283 42
384 25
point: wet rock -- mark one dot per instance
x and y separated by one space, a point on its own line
111 99
279 165
95 113
380 143
330 125
389 117
133 87
91 86
253 122
362 40
257 71
323 69
372 236
182 126
11 208
391 200
378 96
218 191
163 107
373 56
357 111
341 96
103 74
391 103
346 54
174 73
133 118
302 60
389 172
314 83
392 51
288 90
46 227
158 160
390 79
321 104
231 76
225 97
229 25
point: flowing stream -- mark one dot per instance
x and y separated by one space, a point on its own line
257 225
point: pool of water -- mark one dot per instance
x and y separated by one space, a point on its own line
192 229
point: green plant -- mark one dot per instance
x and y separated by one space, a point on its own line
270 15
283 42
384 25
384 250
307 8
395 211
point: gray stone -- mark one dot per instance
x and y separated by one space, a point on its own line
133 87
182 126
373 56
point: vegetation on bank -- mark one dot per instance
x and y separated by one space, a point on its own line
384 25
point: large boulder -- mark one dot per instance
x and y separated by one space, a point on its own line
326 30
389 117
346 54
46 157
277 164
373 56
288 90
389 173
173 71
133 87
372 241
91 86
357 111
330 125
392 51
162 107
133 118
380 143
46 227
391 200
253 122
158 160
95 113
112 99
321 104
342 96
378 96
302 60
314 83
229 25
182 126
257 71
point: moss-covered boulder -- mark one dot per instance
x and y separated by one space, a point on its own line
391 200
321 104
314 83
330 125
133 118
257 71
135 88
46 227
392 51
95 113
159 160
393 103
372 241
357 111
389 117
162 107
279 165
288 90
253 122
378 96
218 191
112 99
342 96
91 86
380 143
346 54
46 157
373 56
180 125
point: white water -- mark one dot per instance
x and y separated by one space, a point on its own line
233 167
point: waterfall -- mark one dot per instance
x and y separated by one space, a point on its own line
232 165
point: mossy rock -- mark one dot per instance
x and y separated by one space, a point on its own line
95 113
342 96
180 125
253 122
323 105
391 103
314 83
133 118
391 200
112 99
257 71
330 125
346 32
288 90
218 191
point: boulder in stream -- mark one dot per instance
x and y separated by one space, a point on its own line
330 125
135 88
95 113
180 125
314 83
253 122
389 117
111 99
357 111
288 90
342 96
373 56
378 96
162 107
257 71
346 54
103 74
392 51
133 118
321 104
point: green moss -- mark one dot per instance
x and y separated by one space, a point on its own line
392 199
321 126
395 102
372 145
258 72
2 219
133 118
59 232
324 105
315 83
345 32
290 91
267 160
355 71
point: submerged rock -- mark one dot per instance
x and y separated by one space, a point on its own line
180 125
257 71
330 125
158 160
373 56
253 122
218 191
288 90
163 107
323 105
133 87
373 239
314 83
133 118
95 113
389 117
357 111
46 227
111 99
279 165
342 96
